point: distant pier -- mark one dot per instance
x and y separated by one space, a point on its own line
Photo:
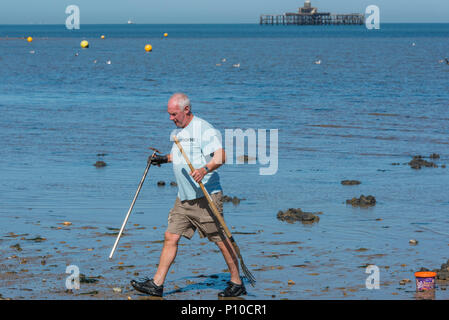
309 15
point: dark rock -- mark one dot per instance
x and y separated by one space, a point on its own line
17 247
350 182
113 233
434 156
161 183
100 164
291 215
84 279
363 201
240 232
404 282
445 266
234 200
36 239
90 293
121 267
443 275
173 184
418 162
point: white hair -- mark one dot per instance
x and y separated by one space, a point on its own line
182 100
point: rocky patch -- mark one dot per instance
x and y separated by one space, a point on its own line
418 162
292 215
234 200
350 182
363 201
100 164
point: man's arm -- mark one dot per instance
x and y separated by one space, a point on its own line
218 159
216 162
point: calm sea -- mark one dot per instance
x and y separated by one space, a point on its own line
377 97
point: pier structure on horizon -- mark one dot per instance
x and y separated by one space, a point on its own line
309 15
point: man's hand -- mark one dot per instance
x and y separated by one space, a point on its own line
157 159
198 174
217 161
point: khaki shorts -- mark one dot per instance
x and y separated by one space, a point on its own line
187 216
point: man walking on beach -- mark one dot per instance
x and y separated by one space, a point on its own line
191 210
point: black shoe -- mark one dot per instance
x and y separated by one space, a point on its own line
148 286
233 290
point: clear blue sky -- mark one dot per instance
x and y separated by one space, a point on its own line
208 11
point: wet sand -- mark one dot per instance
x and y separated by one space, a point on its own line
33 264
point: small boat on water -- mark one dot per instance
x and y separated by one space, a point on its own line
130 22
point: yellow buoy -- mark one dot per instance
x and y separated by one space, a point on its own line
148 48
29 39
84 44
102 36
166 34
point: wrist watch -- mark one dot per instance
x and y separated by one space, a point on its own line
207 169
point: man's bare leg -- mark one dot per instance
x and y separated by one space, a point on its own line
168 255
231 260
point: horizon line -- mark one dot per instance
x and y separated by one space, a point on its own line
196 23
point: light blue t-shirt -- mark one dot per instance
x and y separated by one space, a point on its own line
199 140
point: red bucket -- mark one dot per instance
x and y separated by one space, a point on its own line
425 280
